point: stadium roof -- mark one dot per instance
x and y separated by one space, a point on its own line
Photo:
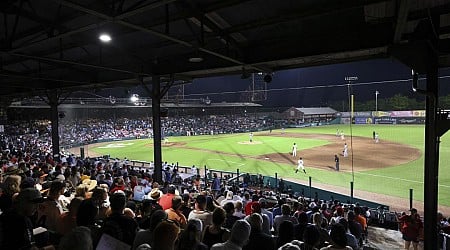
49 45
317 111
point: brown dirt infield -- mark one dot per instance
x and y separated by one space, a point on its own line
367 154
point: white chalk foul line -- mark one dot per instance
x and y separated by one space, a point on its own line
237 163
396 178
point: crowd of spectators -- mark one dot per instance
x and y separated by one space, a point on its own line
87 131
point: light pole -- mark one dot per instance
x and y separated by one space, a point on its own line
376 100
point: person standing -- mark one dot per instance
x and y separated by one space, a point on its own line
294 150
373 134
377 139
345 151
410 226
251 137
300 165
336 160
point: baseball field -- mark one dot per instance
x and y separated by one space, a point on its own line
390 167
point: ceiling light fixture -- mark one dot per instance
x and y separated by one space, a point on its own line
196 59
105 38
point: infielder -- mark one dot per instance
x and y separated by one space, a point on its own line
294 150
300 165
345 151
251 137
377 139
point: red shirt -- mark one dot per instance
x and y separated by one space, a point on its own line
166 201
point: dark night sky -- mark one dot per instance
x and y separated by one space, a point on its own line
287 87
366 71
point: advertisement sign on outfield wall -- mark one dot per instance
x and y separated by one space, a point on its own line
385 120
363 120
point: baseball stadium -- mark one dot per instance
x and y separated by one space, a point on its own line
224 124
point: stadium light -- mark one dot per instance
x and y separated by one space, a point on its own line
104 37
134 98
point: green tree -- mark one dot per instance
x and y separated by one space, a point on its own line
399 102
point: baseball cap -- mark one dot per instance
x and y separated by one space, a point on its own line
30 195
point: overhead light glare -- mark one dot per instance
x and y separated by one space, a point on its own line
196 59
105 38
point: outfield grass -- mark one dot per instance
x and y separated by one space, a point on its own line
395 180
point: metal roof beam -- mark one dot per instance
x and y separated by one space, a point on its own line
402 18
149 31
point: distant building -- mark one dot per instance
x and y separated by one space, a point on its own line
307 115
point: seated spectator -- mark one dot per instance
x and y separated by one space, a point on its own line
174 213
285 215
199 211
216 233
19 233
118 225
352 241
285 233
11 186
258 239
311 237
79 238
50 210
146 236
185 206
190 238
68 220
319 222
166 200
338 238
239 237
166 232
238 210
230 218
301 226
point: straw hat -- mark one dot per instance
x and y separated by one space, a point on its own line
90 184
155 194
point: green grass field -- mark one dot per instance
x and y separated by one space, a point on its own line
393 180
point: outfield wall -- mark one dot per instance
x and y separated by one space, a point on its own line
384 117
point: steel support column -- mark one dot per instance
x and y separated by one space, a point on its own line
53 102
431 170
156 108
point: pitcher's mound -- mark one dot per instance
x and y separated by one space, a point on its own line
250 143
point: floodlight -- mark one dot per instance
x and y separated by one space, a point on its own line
134 98
106 38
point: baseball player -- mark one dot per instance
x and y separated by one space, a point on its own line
294 150
251 137
300 165
377 139
345 151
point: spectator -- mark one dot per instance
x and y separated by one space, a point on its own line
146 236
285 232
19 233
230 218
166 232
264 210
352 241
79 238
11 186
238 210
68 220
166 200
311 238
258 239
216 233
239 237
174 213
190 237
285 215
318 222
117 224
338 238
50 210
199 211
410 226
